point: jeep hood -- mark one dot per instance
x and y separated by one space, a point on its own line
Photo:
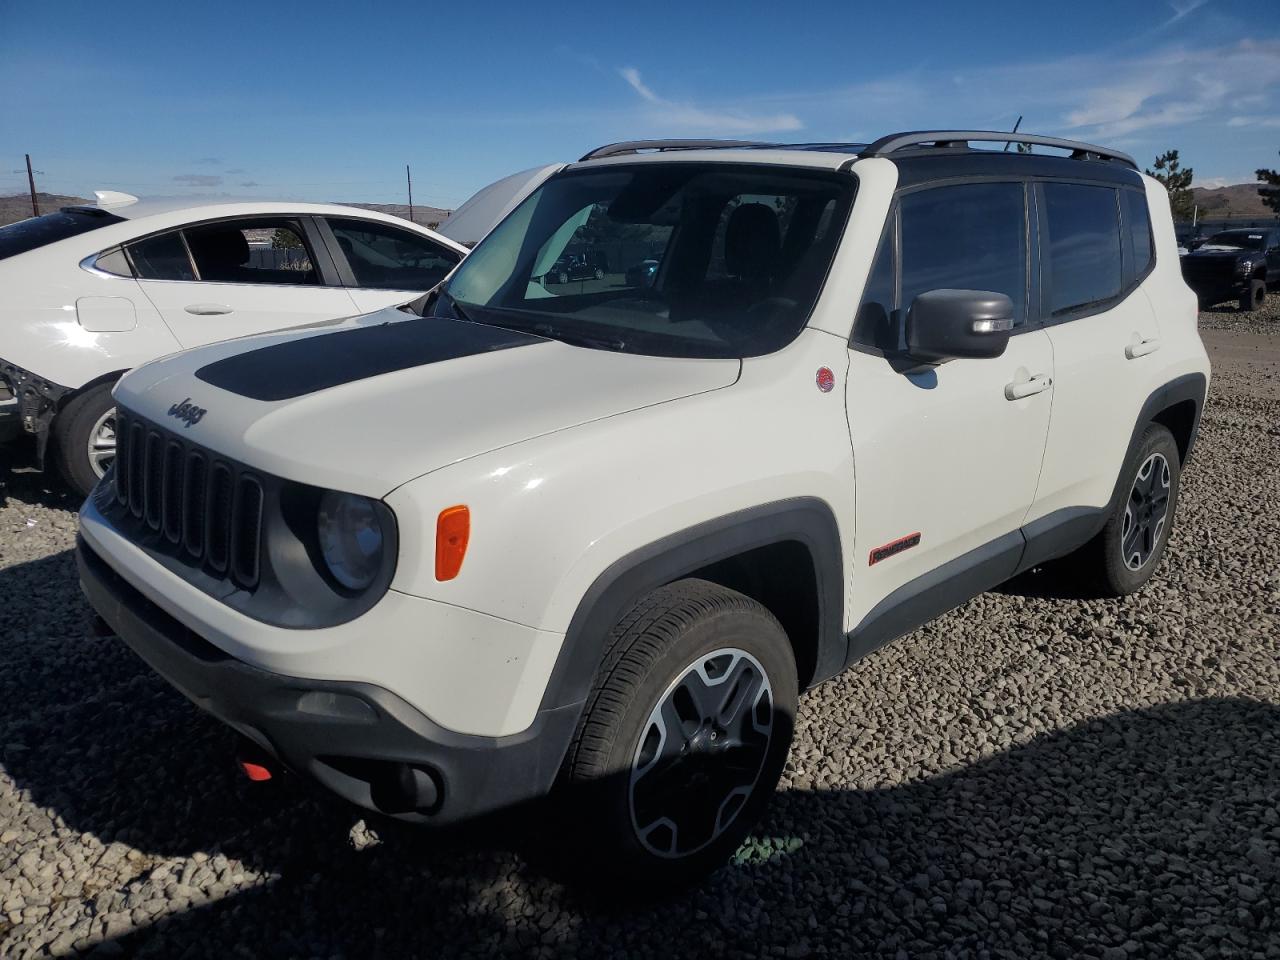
373 402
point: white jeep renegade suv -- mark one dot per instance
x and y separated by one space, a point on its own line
591 539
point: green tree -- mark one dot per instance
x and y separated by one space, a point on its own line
1177 181
1271 193
284 239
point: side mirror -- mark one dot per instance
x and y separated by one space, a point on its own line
955 324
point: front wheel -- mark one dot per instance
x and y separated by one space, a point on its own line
1253 296
84 438
683 737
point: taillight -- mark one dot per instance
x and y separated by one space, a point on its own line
453 530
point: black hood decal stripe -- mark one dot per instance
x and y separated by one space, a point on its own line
295 368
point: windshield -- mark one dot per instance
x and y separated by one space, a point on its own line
36 232
672 259
1245 241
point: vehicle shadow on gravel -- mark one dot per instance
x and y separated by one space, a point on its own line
1158 826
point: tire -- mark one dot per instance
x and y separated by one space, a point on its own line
72 429
623 774
1110 562
1253 296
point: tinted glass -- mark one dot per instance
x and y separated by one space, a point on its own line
385 258
162 257
1138 226
1083 247
967 237
251 251
1244 239
874 326
36 232
743 250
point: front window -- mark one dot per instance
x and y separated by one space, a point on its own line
672 259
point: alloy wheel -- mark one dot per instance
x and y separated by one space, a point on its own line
701 752
101 447
1146 512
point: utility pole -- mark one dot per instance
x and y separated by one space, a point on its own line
31 182
409 180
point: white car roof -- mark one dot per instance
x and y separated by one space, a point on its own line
164 212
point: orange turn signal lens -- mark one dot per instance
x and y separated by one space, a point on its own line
453 530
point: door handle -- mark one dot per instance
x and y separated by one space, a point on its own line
1021 389
1141 348
207 309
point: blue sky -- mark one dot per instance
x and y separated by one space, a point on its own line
328 101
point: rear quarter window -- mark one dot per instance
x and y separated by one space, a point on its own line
26 235
1083 246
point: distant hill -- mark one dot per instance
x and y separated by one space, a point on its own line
426 216
1238 200
18 206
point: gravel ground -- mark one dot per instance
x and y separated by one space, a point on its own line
1031 775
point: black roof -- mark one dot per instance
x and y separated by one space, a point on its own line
933 154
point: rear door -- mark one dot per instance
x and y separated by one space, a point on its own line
386 265
231 278
946 457
1096 249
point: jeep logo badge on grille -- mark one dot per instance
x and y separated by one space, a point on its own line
188 411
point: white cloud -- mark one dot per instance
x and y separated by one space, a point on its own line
1182 8
687 116
1269 123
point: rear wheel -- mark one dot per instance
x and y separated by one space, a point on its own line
683 737
84 438
1122 558
1253 296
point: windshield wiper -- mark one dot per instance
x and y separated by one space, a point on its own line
455 306
578 339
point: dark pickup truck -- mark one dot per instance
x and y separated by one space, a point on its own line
1234 264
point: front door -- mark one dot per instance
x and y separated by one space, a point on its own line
946 457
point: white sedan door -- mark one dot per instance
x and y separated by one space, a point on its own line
234 278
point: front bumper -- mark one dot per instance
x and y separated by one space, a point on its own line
10 417
355 738
34 401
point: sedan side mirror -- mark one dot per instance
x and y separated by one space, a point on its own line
955 324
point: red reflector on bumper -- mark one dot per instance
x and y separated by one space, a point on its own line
255 771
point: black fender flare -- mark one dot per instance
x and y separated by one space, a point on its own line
807 520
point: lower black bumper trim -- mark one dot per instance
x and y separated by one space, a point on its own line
343 734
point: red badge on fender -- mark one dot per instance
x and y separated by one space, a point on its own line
825 379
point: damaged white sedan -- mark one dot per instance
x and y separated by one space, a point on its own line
92 291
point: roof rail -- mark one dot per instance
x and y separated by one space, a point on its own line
635 146
945 138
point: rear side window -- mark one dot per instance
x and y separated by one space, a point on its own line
384 257
37 232
1137 228
970 236
1083 246
162 257
251 251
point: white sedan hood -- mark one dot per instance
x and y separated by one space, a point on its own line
371 403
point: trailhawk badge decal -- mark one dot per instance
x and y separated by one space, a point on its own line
188 411
893 548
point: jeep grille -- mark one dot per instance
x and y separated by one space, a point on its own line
205 506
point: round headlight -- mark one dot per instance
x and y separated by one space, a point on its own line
351 538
